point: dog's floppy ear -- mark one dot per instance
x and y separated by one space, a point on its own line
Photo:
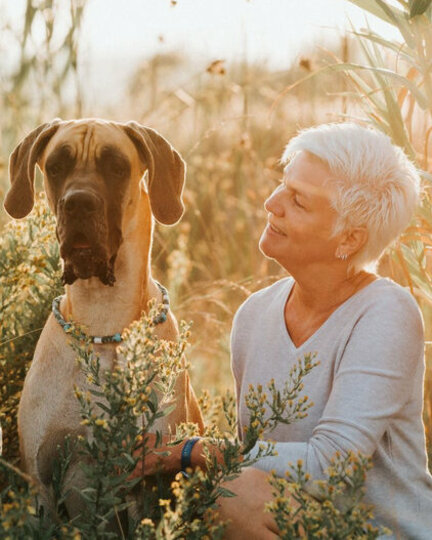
20 197
166 172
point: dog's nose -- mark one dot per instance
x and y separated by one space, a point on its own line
81 202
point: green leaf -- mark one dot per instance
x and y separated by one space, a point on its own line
418 7
103 407
226 492
399 79
169 409
158 438
400 49
153 401
130 459
374 8
389 14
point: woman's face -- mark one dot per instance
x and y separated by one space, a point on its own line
300 216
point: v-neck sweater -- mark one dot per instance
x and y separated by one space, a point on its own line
367 392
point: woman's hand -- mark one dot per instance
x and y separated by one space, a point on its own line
161 458
245 512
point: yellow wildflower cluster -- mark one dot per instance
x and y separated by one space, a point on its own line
29 280
118 405
336 512
16 507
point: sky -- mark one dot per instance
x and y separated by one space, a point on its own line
275 30
117 35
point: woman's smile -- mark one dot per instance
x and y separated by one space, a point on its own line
275 230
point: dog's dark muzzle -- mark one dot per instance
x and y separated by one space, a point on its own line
83 233
81 221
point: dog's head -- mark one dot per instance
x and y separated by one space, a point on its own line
92 172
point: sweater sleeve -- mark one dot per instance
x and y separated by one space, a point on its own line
372 383
237 360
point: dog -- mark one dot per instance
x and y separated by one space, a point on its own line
105 182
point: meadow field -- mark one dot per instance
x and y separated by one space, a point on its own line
230 122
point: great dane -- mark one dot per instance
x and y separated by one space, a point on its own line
104 203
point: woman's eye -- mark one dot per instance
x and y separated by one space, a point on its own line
297 203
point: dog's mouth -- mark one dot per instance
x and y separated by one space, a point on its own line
80 242
85 258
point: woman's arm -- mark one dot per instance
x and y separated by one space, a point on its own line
379 372
167 458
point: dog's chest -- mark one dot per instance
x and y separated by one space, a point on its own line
107 356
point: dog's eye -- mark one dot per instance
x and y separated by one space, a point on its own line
118 170
54 169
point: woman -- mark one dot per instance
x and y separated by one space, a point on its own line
346 194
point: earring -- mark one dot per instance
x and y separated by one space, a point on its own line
344 256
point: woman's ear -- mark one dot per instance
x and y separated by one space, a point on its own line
352 242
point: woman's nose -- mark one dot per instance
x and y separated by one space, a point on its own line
273 203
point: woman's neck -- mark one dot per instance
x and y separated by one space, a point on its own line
317 295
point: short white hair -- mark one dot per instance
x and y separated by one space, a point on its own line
376 185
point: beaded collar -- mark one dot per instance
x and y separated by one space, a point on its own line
116 338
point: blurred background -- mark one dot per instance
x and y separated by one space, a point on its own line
227 83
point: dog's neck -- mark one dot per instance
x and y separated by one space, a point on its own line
106 310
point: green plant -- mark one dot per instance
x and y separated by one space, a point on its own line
29 280
337 512
118 408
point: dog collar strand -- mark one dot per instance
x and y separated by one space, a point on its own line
116 338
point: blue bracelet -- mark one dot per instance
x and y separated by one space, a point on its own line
186 452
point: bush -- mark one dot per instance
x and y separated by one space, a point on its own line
29 280
120 406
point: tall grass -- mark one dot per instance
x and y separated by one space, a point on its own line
231 122
44 81
219 119
394 86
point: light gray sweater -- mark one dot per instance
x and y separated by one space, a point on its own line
367 393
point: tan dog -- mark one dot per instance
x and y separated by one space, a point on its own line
93 173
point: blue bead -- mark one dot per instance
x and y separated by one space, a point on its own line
163 317
67 326
117 337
